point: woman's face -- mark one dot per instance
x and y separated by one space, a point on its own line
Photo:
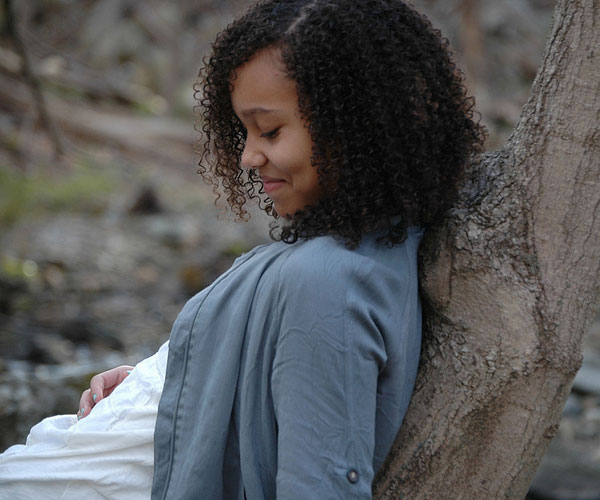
278 143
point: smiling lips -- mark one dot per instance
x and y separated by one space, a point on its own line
270 184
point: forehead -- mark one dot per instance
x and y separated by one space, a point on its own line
262 84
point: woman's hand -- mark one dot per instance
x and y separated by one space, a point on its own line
101 386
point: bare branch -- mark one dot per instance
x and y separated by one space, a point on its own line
31 78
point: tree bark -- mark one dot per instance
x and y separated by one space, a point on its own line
510 284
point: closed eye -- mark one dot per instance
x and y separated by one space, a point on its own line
271 134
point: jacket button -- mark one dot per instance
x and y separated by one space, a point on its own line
352 476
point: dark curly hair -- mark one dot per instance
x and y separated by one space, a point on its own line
388 113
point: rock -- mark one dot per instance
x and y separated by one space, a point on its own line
53 275
147 274
587 380
572 406
9 289
588 428
567 473
51 348
167 231
592 339
175 232
192 278
146 202
16 343
86 331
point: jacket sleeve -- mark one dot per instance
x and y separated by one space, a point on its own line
324 382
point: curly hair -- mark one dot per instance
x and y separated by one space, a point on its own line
391 123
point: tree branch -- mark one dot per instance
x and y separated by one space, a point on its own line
31 78
562 171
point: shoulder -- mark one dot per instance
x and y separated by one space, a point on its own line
326 265
325 257
322 261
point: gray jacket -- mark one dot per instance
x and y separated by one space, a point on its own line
290 375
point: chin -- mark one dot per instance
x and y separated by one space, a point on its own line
284 214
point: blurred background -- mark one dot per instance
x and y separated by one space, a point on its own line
105 227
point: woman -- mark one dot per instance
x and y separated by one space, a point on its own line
290 375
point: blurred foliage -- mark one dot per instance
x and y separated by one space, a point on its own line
83 189
15 268
236 248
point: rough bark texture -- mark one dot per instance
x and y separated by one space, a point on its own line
511 282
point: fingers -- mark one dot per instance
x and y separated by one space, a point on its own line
101 385
98 384
85 404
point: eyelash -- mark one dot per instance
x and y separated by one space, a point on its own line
271 134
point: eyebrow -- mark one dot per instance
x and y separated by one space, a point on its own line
258 110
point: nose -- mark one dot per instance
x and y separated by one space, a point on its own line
252 156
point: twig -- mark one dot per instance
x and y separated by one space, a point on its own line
31 79
471 38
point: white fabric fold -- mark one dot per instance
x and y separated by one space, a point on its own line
108 454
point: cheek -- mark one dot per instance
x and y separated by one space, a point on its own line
309 172
290 159
309 175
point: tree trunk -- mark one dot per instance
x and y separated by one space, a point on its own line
511 282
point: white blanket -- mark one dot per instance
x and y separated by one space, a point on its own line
108 454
